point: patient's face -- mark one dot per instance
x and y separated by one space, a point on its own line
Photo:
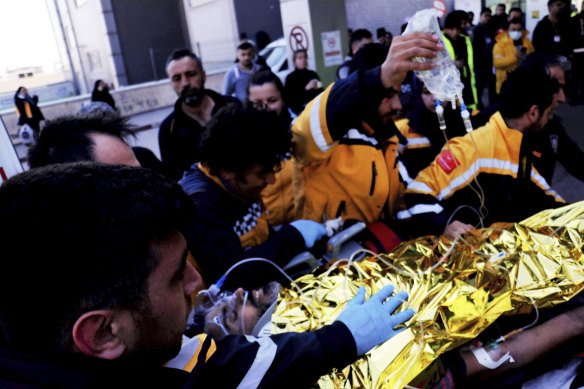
227 315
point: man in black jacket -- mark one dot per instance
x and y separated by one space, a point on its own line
180 132
241 150
111 269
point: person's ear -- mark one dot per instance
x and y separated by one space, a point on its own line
227 175
204 76
98 334
533 113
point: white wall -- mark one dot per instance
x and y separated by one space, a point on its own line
535 10
212 29
86 25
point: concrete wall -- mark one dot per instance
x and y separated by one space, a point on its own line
148 31
327 15
46 93
391 14
88 42
130 100
259 15
212 31
535 11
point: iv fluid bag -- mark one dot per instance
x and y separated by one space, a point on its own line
443 81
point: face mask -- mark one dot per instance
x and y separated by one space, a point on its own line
515 35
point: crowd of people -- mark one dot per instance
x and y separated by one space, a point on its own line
163 270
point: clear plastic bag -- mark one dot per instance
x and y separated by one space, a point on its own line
443 81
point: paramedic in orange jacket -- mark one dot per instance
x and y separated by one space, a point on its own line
487 175
512 45
346 143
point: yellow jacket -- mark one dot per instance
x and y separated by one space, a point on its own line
491 162
355 175
505 55
278 198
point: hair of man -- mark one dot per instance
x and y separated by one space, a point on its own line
245 46
517 21
515 9
455 19
236 138
545 61
370 56
359 34
181 53
68 138
524 88
76 238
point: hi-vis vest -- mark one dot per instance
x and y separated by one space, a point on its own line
470 61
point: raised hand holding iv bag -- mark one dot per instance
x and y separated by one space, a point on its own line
443 80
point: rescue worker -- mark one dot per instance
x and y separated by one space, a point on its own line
459 47
241 151
422 130
487 176
121 318
346 143
511 47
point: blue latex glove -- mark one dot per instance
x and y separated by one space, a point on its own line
372 323
310 230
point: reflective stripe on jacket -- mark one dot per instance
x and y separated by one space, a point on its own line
343 166
491 160
505 55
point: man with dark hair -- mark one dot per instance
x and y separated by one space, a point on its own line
483 40
180 131
459 47
488 175
552 32
346 143
553 144
235 83
499 20
83 138
359 38
515 13
111 268
511 47
241 150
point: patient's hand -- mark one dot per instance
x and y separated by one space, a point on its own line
456 228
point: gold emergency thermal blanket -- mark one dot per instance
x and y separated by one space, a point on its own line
456 287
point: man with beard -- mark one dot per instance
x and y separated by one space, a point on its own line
111 267
488 175
241 151
180 132
552 33
235 83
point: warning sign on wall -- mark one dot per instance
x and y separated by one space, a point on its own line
331 48
298 39
9 162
